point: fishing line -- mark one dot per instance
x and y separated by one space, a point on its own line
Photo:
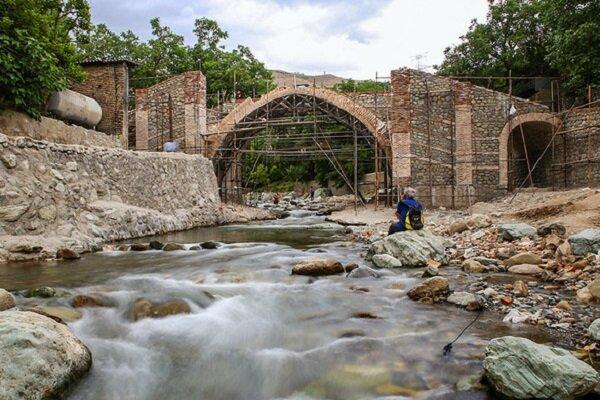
448 347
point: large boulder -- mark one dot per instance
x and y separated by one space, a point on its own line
39 358
386 261
318 267
524 258
432 290
412 248
521 369
586 241
516 231
6 300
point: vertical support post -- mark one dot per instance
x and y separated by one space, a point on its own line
376 175
452 146
430 173
355 169
170 105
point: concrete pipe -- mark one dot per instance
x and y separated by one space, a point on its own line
75 107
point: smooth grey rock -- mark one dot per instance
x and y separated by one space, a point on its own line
412 248
39 358
594 329
462 299
586 241
516 231
522 369
363 272
386 261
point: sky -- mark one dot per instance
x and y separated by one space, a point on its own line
352 39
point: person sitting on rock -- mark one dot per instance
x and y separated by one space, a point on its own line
409 213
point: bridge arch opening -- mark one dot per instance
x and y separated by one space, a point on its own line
301 135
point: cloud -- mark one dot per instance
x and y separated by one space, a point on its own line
349 38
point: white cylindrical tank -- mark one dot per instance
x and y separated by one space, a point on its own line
75 107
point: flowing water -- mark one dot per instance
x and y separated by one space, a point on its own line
255 331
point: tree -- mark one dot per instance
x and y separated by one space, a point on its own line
37 54
231 73
573 44
367 86
512 39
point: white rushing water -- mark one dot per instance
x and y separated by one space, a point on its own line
257 332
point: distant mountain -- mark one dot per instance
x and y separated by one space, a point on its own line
283 78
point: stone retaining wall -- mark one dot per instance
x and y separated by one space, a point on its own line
17 124
54 195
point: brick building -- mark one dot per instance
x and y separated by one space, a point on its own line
172 110
107 82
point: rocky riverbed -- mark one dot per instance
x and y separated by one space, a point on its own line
302 308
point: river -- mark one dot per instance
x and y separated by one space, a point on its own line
257 332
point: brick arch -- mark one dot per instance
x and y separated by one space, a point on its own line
219 132
542 117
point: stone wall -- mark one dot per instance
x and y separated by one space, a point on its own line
447 137
17 124
108 84
579 166
174 109
54 195
378 103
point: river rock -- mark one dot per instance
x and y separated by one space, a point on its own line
526 269
39 358
386 261
594 288
60 314
209 245
584 295
13 213
586 241
516 231
67 254
594 329
431 290
521 369
156 245
44 292
412 248
173 246
6 300
91 300
473 266
458 226
520 289
363 272
318 267
139 247
524 258
552 228
479 221
462 299
143 308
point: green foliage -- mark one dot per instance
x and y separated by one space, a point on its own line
511 39
37 55
280 173
166 53
574 41
531 38
367 86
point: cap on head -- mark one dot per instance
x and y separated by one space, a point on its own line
410 192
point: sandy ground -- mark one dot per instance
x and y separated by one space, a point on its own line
577 209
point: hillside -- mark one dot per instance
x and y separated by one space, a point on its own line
283 78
